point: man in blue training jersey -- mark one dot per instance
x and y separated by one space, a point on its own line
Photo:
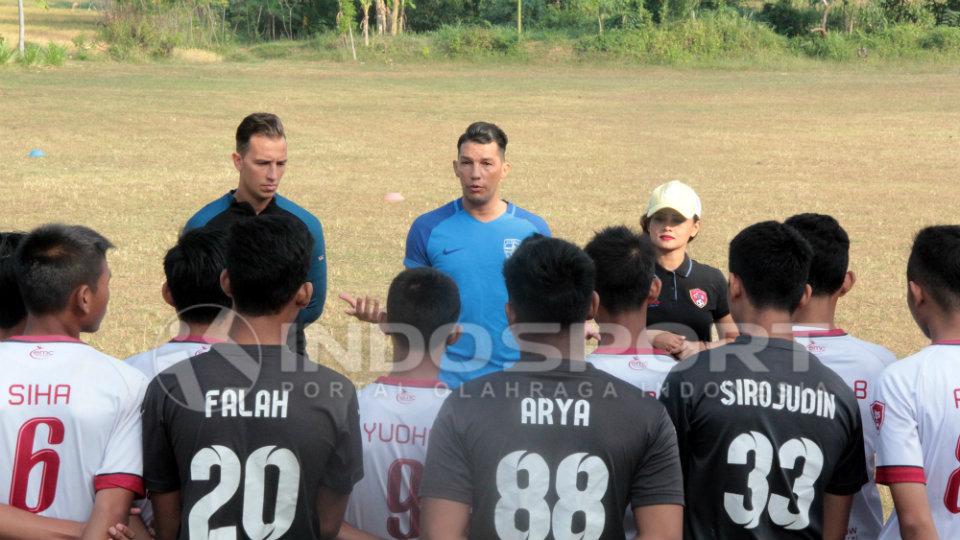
469 239
261 159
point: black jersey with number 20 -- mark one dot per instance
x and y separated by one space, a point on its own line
249 444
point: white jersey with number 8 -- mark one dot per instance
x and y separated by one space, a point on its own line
860 364
918 415
395 420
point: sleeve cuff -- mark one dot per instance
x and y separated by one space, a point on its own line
448 493
898 474
129 482
650 499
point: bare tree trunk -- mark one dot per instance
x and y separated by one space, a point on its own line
519 17
395 17
823 21
403 16
381 7
23 30
365 24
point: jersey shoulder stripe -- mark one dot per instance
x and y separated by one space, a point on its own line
208 212
304 215
420 232
538 222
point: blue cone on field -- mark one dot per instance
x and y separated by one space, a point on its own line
37 153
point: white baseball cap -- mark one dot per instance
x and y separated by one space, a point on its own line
675 195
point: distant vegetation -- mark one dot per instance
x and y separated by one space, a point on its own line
640 31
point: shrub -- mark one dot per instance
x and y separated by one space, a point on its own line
54 55
6 52
32 54
133 37
473 41
720 35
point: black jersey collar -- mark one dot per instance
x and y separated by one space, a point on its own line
684 270
246 208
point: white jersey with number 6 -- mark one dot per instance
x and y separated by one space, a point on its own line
918 415
396 415
69 425
859 363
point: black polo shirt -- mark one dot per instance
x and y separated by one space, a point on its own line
227 210
692 298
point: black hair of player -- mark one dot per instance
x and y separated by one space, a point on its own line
265 124
484 133
424 298
267 260
12 310
831 251
772 261
192 268
625 266
934 264
53 260
549 281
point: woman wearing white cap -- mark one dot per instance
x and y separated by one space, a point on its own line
693 296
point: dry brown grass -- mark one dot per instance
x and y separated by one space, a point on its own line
135 150
56 24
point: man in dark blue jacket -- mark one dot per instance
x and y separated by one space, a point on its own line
261 159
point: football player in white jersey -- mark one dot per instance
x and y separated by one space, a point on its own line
69 415
918 407
398 410
192 268
858 362
626 283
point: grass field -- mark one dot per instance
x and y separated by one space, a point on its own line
135 150
59 23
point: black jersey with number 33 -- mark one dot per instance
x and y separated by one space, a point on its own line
248 444
551 454
763 434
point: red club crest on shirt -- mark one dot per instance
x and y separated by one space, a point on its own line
876 408
699 297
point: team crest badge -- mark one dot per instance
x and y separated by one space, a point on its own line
876 408
699 297
509 246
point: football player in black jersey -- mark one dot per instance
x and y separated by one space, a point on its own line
770 438
251 440
551 448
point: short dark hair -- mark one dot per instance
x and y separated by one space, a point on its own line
484 133
934 264
53 260
425 299
192 268
773 261
266 124
831 251
625 266
12 310
549 281
267 260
